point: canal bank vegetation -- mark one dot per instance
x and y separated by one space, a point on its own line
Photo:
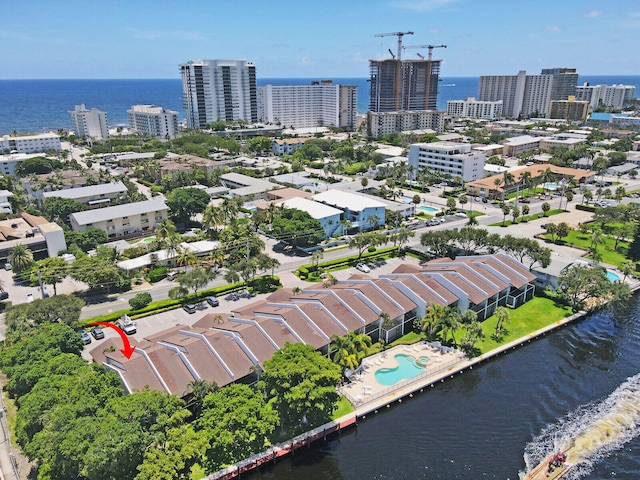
75 421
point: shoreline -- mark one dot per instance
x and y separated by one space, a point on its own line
398 395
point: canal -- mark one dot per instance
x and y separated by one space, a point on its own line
480 423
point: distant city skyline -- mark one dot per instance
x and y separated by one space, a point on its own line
286 39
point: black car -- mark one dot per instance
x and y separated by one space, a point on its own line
97 333
4 295
213 301
189 308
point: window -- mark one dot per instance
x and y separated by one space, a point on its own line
111 227
144 220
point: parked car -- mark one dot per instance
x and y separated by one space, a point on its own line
213 301
126 325
30 297
97 333
7 266
4 295
189 308
172 275
86 338
363 268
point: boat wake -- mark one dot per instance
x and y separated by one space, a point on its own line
593 431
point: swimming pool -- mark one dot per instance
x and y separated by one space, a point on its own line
550 186
429 210
407 368
613 277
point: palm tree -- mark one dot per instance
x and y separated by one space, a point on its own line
502 317
526 180
185 257
348 351
433 319
497 182
547 176
627 267
164 230
20 258
212 218
450 323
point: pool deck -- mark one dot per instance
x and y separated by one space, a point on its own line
364 390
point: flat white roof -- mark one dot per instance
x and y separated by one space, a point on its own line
199 248
521 140
89 190
118 211
345 200
316 209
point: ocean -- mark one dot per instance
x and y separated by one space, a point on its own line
43 105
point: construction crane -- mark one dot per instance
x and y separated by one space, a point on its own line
399 35
430 47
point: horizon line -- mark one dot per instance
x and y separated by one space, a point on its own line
311 78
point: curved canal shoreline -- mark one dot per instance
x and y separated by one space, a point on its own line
374 405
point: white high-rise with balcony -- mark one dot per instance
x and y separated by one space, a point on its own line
219 90
322 103
89 123
614 96
472 108
448 158
153 121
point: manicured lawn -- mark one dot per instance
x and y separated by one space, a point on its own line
533 315
527 218
344 407
609 255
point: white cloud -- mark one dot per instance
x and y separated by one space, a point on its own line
553 28
179 34
594 13
306 61
358 58
421 5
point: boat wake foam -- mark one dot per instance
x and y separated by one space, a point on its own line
594 430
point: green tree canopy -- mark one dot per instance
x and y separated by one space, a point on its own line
58 209
297 228
302 383
187 202
236 422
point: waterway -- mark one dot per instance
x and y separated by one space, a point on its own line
481 423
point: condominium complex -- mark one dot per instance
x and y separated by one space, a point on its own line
384 123
153 121
472 108
122 220
398 85
89 123
219 90
455 159
571 109
322 103
528 95
614 96
30 143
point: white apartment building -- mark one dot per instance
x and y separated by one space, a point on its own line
219 90
383 123
455 159
92 195
472 108
614 96
528 95
153 121
37 143
89 123
122 220
516 145
320 104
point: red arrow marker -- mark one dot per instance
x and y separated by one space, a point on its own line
128 350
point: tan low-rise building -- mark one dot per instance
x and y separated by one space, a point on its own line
490 187
230 347
122 220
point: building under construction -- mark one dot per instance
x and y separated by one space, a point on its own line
400 85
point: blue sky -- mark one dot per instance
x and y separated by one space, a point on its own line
322 38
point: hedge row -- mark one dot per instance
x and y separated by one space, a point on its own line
170 304
304 271
586 208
